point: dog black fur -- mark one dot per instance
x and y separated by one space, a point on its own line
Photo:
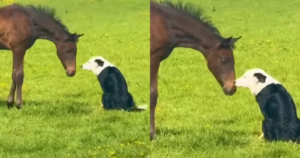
114 86
115 92
278 108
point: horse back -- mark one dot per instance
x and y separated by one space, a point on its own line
15 26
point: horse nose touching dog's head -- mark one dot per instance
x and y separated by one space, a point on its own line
220 61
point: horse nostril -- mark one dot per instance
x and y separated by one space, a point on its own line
72 72
234 82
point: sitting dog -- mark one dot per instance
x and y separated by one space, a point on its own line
113 84
280 122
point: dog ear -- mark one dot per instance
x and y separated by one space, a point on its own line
261 78
99 62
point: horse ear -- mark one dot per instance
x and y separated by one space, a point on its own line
233 40
226 41
76 36
229 41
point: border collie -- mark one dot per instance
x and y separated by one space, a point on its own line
280 122
113 84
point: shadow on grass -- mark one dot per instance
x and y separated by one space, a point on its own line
205 138
168 131
224 121
53 108
61 108
74 95
231 138
3 103
112 119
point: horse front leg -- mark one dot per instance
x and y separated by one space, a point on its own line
11 96
18 75
153 94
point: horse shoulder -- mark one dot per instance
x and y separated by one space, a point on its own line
158 31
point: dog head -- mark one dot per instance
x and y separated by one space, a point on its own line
255 80
96 65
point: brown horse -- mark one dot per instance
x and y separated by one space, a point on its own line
21 26
183 25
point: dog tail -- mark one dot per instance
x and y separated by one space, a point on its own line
140 108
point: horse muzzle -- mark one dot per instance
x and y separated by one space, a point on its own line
229 90
71 72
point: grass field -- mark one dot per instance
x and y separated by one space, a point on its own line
194 118
62 117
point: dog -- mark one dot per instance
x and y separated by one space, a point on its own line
280 122
113 84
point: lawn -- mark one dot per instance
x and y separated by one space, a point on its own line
63 117
194 118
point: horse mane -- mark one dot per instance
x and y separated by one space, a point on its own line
190 9
50 12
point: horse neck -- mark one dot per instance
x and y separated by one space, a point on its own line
190 33
49 29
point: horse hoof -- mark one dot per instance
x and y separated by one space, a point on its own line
19 107
10 104
152 137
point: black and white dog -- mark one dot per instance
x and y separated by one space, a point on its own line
113 84
280 122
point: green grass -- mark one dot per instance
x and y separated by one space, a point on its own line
194 118
63 117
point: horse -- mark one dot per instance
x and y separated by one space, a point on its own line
180 24
21 26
